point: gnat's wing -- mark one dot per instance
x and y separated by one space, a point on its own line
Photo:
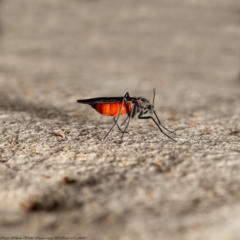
93 101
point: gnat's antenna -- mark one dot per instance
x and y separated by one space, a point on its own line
154 92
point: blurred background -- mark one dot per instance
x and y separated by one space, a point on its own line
55 52
63 50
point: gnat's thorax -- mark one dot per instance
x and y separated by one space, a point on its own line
144 104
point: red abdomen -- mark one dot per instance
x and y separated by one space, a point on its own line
112 109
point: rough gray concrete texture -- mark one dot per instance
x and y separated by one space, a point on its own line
58 179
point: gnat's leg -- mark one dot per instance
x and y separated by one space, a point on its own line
116 120
130 115
124 121
161 123
150 117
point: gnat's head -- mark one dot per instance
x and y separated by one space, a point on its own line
144 103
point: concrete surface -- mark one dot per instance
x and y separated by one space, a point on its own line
57 179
